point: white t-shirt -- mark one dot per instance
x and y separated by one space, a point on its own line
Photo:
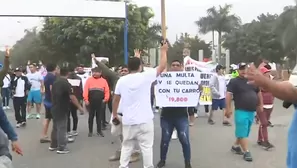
222 85
84 78
135 92
35 80
20 89
6 81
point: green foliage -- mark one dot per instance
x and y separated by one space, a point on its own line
72 40
195 44
254 41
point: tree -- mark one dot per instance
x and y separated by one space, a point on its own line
219 20
254 41
175 52
73 39
29 48
286 27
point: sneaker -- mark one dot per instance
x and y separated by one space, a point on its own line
90 134
29 116
4 107
115 157
18 125
267 145
100 133
188 165
63 151
7 107
260 143
24 123
270 124
174 135
226 123
37 116
247 157
161 164
211 122
45 140
237 150
74 133
196 115
70 139
52 149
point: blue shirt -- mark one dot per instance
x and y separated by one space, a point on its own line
49 80
292 143
6 126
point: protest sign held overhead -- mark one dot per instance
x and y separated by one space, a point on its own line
206 70
177 89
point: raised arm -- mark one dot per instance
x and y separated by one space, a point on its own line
5 68
105 70
163 59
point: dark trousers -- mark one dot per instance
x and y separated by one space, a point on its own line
264 117
19 105
206 108
5 93
181 125
109 105
59 132
73 113
95 110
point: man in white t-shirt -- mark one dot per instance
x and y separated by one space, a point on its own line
218 86
133 90
36 80
6 92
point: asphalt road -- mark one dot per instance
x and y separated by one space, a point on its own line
210 146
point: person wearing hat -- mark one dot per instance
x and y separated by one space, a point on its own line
264 116
96 93
218 85
247 100
20 87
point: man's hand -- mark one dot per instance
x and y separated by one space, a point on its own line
87 103
228 113
16 148
164 47
81 110
29 62
255 77
137 53
7 51
93 56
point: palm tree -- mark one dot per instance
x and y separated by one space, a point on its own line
218 20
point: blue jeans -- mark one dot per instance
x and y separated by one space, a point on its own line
182 127
5 93
292 144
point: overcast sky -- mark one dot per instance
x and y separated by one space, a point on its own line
180 14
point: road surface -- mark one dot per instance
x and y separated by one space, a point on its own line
210 146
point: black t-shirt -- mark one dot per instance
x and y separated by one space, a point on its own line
61 91
49 80
172 112
245 95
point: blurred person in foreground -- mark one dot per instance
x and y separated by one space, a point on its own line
284 91
247 100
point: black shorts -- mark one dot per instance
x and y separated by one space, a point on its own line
48 113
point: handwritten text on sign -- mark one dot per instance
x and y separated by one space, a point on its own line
177 89
205 98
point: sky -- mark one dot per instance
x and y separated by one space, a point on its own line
180 16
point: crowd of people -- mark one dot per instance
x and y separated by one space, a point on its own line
65 90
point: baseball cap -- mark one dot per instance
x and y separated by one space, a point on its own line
264 70
17 69
242 65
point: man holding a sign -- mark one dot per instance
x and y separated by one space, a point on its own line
175 91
